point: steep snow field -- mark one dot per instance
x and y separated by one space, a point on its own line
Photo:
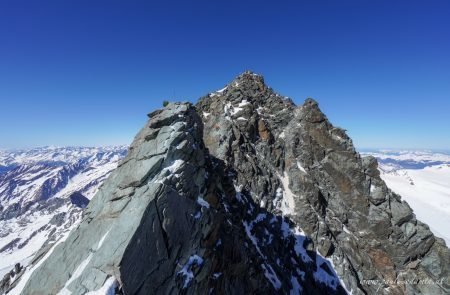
422 178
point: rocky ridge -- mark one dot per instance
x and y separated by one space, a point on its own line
243 193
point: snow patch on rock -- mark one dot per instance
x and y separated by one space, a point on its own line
187 272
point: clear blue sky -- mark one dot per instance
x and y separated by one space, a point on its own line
86 72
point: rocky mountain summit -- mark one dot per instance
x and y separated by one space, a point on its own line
243 193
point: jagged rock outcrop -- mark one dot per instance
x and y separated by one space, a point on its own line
245 193
79 200
332 193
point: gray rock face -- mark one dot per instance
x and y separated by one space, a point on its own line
245 193
330 192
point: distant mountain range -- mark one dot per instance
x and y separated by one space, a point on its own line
42 193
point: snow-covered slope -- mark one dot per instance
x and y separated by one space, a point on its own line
422 178
42 194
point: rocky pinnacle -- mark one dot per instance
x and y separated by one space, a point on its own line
244 193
